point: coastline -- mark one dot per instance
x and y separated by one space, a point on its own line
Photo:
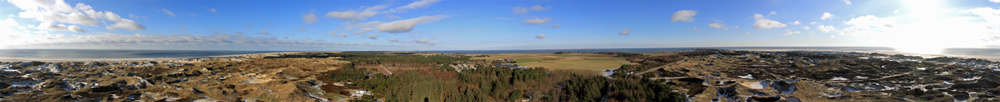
888 52
261 55
15 59
23 59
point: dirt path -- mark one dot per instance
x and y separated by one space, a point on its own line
668 78
654 69
386 70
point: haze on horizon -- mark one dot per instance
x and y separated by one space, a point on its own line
923 26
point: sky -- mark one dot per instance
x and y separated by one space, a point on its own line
419 25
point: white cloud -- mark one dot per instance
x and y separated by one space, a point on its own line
767 24
334 34
137 17
192 14
790 32
736 27
536 21
424 41
213 10
184 27
60 27
351 15
393 40
403 26
625 32
418 4
248 26
393 17
694 29
556 26
167 41
82 14
872 22
758 16
539 36
372 36
126 24
683 16
44 5
813 22
364 30
310 18
746 33
796 23
50 16
989 14
848 2
764 23
826 15
995 1
342 34
363 25
165 11
8 22
375 8
264 32
895 11
772 13
870 25
718 26
521 10
806 27
826 28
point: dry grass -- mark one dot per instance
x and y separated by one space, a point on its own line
591 62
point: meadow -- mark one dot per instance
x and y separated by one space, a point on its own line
596 62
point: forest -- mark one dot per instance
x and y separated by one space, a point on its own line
492 83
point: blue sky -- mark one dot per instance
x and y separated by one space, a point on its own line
493 25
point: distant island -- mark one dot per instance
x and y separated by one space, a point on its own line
368 76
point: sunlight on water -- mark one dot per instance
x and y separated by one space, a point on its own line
921 50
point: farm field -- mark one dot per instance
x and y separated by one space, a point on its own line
596 62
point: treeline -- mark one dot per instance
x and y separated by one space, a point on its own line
377 57
637 89
484 84
621 54
500 84
489 83
471 85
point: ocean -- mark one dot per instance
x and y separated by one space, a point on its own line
62 53
65 53
654 50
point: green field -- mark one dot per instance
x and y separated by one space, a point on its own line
594 62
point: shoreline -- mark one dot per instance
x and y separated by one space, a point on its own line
885 52
255 55
23 59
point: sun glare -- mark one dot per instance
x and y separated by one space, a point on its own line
930 31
